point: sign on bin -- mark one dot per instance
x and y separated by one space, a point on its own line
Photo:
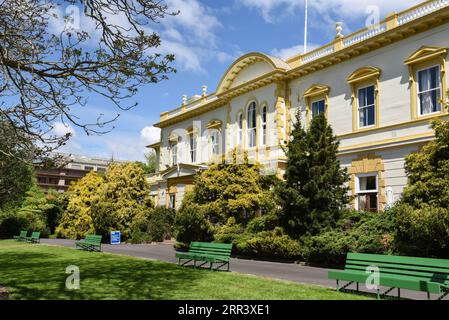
115 237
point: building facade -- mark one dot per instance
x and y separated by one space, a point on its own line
75 167
379 88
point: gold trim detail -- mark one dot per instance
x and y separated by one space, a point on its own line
426 56
360 78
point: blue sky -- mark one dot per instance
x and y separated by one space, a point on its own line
206 37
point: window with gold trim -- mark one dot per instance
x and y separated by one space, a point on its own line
317 101
364 84
427 75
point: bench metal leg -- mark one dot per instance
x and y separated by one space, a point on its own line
399 292
185 262
222 265
378 294
428 295
338 288
388 291
357 287
443 295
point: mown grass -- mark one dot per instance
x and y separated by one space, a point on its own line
38 272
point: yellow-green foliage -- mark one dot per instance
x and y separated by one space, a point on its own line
231 190
126 194
98 204
76 220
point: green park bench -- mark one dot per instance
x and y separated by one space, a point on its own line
206 252
400 272
22 236
92 242
35 237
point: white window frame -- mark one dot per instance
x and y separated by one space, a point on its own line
251 132
315 101
240 128
263 125
214 145
193 142
172 203
174 153
435 89
366 107
358 191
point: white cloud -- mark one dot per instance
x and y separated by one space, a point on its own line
150 135
341 9
286 53
194 18
61 129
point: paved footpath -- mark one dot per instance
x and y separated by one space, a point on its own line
285 271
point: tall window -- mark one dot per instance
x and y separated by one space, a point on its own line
367 107
193 143
174 153
214 142
172 201
367 193
429 90
239 128
264 125
318 107
251 125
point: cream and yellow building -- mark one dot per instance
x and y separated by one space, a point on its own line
379 87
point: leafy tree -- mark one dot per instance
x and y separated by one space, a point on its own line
16 175
125 198
119 200
46 72
232 190
423 212
34 210
150 165
76 221
314 191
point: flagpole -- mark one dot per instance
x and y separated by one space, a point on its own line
305 27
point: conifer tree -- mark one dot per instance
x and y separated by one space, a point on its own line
314 190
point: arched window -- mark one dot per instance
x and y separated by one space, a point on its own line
239 128
263 124
251 125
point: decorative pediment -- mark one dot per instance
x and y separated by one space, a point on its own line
270 64
316 90
426 53
363 74
192 131
173 137
181 170
214 124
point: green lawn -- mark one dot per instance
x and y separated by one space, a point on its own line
38 272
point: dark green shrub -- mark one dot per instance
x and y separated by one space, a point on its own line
422 232
192 225
228 233
264 223
161 224
11 223
268 244
356 232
